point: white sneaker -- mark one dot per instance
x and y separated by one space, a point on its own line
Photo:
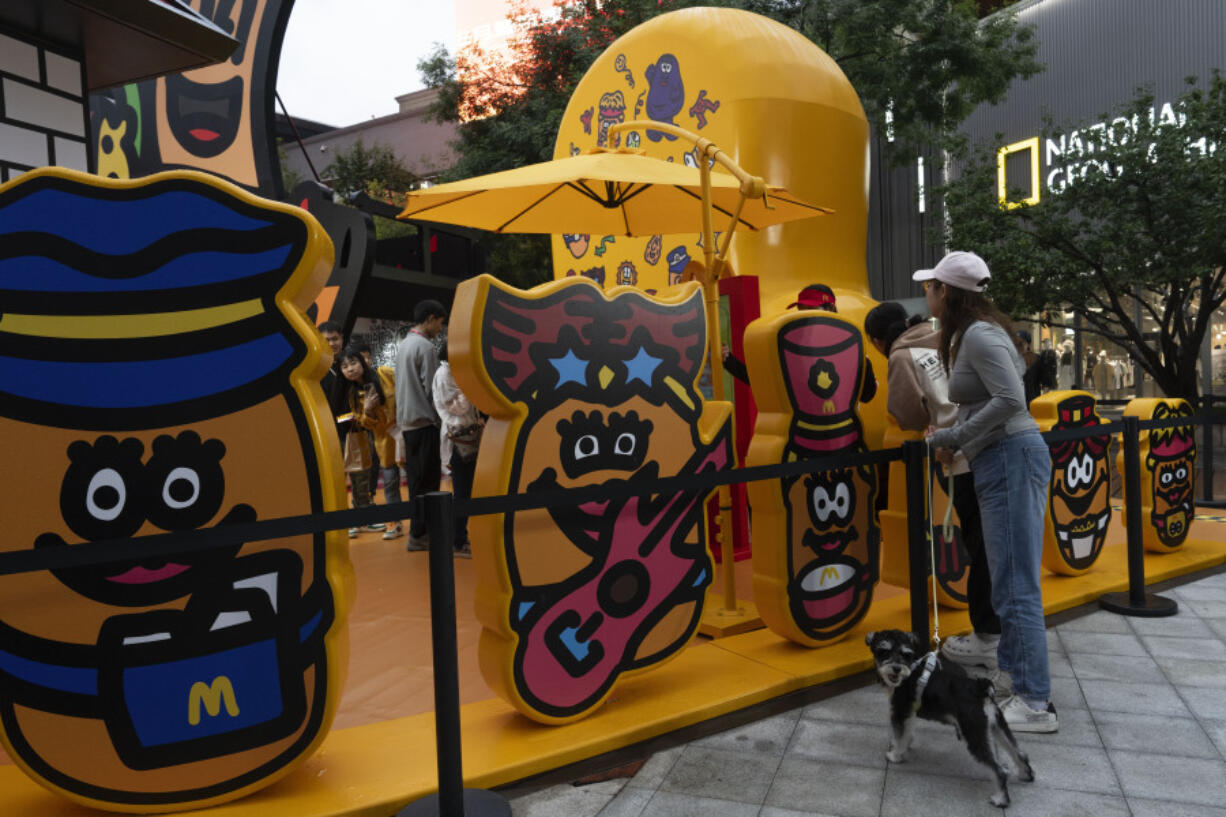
972 650
1021 718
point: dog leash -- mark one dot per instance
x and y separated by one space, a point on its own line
947 530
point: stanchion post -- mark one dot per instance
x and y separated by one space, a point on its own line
452 799
915 467
1135 602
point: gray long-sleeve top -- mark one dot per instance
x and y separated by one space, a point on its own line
416 362
986 383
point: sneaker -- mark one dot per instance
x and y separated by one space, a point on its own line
353 533
374 527
972 650
393 532
1002 682
418 543
464 552
1021 718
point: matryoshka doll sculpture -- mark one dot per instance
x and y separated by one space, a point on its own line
158 377
1168 473
816 544
1079 508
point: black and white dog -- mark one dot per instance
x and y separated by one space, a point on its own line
922 685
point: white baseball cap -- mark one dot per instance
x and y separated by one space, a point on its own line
960 269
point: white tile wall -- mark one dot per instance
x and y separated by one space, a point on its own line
42 109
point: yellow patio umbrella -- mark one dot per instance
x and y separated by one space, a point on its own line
625 192
603 192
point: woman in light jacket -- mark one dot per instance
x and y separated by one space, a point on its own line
1011 467
919 399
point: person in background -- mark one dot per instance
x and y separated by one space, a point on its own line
416 363
334 336
1011 466
814 296
918 398
359 343
371 397
460 435
1040 374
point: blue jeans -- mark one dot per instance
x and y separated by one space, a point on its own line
1011 481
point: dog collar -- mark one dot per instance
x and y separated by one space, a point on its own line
930 663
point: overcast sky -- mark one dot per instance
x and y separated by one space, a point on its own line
344 61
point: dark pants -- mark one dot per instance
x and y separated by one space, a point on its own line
462 472
421 467
979 582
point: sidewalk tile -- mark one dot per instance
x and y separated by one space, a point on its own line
908 795
563 800
1182 779
1165 808
1153 733
769 736
1054 643
1184 625
1135 669
1205 608
1097 622
854 743
1145 699
1058 665
1161 646
721 774
1036 800
629 802
864 705
1076 768
1184 672
1066 694
775 811
1216 729
1102 643
666 804
656 768
1205 702
1218 625
827 788
1202 591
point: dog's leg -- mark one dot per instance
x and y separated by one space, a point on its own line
900 738
981 742
1004 737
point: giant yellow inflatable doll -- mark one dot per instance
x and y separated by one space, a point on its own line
158 377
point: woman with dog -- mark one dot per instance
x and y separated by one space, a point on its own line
918 400
1010 465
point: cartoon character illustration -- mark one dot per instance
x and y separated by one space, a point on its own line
701 107
651 253
218 118
586 389
1080 504
619 64
816 543
678 258
159 377
577 243
115 123
604 245
612 111
586 119
353 233
594 274
627 275
1169 456
665 93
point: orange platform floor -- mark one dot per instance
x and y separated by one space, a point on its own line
380 753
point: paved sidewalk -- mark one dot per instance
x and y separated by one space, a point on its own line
1142 706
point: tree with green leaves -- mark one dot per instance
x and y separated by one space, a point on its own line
1134 228
920 67
376 170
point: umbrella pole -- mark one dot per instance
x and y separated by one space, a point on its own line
734 617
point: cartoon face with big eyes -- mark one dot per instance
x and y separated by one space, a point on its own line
605 397
1173 508
832 575
1080 499
577 243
